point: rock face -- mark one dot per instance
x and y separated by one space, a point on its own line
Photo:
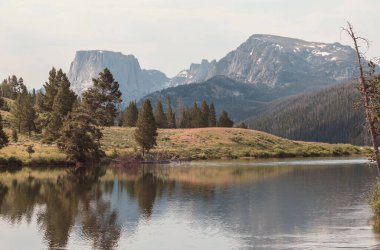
276 61
285 64
134 82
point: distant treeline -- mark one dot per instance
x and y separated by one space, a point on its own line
186 117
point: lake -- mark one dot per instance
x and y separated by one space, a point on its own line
281 204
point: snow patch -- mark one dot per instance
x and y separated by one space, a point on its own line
320 53
279 46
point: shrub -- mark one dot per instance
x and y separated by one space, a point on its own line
375 201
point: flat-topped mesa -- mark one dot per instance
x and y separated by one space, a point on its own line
134 82
277 61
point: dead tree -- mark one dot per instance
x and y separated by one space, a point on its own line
370 114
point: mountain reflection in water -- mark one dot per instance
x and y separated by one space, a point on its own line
198 205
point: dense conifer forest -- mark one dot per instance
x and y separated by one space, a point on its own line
324 116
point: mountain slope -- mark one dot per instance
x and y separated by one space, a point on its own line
327 115
134 82
240 100
278 62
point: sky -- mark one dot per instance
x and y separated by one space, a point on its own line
167 35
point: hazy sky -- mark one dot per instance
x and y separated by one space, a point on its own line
166 35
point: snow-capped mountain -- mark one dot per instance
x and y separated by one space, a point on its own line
287 64
276 61
134 82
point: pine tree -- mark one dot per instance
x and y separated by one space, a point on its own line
80 136
196 115
212 116
159 116
62 105
29 116
205 113
243 125
3 136
146 131
130 115
54 105
170 116
185 121
103 98
17 112
224 120
30 150
24 113
51 89
14 135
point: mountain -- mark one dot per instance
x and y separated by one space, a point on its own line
134 82
240 100
323 116
278 62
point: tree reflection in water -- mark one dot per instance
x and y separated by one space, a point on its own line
75 200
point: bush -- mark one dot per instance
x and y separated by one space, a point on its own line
375 201
14 162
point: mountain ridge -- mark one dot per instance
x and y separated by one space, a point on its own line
269 59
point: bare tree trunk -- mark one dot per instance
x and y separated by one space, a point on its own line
364 93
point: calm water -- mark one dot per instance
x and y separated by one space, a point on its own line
319 204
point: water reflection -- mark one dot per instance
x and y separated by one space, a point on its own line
234 206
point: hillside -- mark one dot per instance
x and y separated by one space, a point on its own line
327 115
186 144
218 143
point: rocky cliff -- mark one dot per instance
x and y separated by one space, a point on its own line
134 82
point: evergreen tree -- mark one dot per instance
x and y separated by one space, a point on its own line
146 131
170 116
14 135
12 86
212 116
186 118
196 116
205 113
51 89
24 113
80 136
243 125
30 150
55 104
130 115
62 105
159 116
224 120
29 116
103 98
3 136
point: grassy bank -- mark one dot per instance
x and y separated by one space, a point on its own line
185 144
219 143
